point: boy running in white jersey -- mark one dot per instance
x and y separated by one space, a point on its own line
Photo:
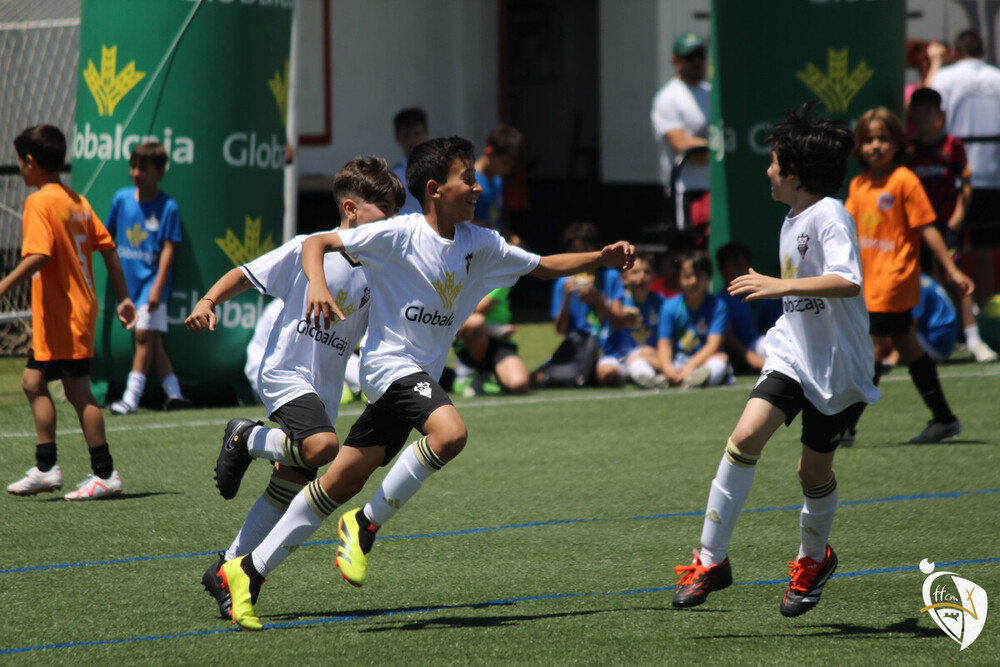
427 272
818 361
301 375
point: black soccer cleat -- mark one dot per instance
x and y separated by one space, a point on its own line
234 459
698 581
808 580
213 584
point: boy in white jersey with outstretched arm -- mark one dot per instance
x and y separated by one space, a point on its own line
818 362
427 272
301 373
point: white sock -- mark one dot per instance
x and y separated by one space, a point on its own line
640 370
267 443
352 374
296 525
403 480
729 491
172 386
816 522
972 335
717 371
134 387
261 518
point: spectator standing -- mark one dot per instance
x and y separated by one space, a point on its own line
410 129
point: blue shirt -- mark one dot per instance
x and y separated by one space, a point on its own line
741 316
689 331
622 341
489 206
936 317
581 315
139 230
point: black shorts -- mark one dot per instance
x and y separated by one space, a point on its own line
497 349
303 416
406 405
982 219
57 369
890 324
820 433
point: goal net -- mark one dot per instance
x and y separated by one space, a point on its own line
39 49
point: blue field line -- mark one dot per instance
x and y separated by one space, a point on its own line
487 529
471 605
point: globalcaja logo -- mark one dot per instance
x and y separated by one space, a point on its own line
248 149
108 87
251 247
836 87
136 235
341 300
448 290
957 605
279 88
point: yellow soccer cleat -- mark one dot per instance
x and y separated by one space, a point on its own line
241 592
351 559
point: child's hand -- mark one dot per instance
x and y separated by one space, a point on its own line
752 286
957 278
620 255
321 309
202 318
126 313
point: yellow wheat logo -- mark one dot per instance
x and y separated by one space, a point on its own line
279 88
870 220
136 235
250 248
341 300
109 86
788 270
449 290
837 87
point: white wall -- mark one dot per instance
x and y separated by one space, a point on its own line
390 54
636 37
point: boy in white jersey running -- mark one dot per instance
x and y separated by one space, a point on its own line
301 374
427 272
818 361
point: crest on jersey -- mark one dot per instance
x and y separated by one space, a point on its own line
365 297
468 262
803 240
423 388
885 201
957 605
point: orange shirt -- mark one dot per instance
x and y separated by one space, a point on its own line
889 213
60 224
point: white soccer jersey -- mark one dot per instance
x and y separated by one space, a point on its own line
424 287
823 342
299 358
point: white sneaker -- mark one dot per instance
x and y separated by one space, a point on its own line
35 481
983 353
936 432
122 408
697 378
94 487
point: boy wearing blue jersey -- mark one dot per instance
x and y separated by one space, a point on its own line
146 225
632 347
819 361
692 327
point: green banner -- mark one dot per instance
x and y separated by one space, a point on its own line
772 56
209 80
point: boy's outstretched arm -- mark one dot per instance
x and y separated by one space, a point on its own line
24 270
320 306
935 243
752 286
618 255
225 288
126 309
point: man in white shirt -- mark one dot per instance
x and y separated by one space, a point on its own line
970 93
680 121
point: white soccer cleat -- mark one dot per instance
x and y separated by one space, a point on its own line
122 408
982 352
94 487
36 481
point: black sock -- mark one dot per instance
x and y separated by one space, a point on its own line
925 377
366 534
45 456
256 578
101 462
